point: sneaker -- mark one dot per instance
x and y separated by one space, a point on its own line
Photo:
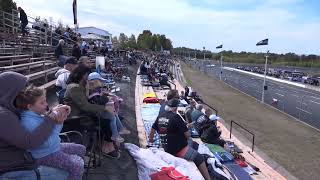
124 131
117 139
113 154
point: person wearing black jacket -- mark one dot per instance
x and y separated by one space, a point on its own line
76 52
24 20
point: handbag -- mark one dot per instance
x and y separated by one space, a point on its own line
168 173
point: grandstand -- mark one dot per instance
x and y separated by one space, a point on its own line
33 56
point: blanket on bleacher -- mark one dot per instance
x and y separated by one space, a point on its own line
151 160
149 114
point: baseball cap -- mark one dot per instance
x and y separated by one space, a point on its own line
214 117
95 76
71 60
173 102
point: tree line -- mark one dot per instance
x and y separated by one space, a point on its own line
287 59
7 5
146 40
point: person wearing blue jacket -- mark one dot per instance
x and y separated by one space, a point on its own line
52 153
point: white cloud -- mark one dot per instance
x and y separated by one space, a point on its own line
194 26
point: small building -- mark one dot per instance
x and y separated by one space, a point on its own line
96 32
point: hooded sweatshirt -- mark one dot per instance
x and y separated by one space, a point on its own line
62 76
14 138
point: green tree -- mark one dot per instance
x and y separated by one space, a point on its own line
123 40
115 42
145 40
167 45
132 43
7 5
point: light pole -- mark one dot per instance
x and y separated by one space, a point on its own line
204 53
264 87
220 47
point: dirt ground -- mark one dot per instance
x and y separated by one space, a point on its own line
291 144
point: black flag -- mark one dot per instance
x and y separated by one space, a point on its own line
219 47
74 8
263 42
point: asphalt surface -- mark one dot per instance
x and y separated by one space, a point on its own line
301 103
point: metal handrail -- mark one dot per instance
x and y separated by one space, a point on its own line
18 22
253 136
216 111
175 86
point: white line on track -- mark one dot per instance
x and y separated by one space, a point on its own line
279 94
304 110
314 97
294 95
314 102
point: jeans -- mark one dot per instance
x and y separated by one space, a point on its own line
47 173
23 28
115 123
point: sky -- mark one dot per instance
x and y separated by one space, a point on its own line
290 25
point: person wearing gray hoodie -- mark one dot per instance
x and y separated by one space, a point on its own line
14 139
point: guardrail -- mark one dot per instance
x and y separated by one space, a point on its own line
175 86
215 110
253 136
12 21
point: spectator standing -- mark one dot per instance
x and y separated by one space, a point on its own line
24 20
58 52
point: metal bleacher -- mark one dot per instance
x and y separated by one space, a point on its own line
32 55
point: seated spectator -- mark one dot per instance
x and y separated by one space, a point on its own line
58 52
170 95
85 61
189 110
164 80
197 112
52 153
13 148
182 95
76 52
98 96
186 90
174 136
76 97
62 76
143 69
206 125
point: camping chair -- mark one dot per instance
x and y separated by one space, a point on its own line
30 167
89 130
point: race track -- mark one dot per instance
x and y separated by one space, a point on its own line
299 102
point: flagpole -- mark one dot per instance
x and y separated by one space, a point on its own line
264 87
264 79
220 47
